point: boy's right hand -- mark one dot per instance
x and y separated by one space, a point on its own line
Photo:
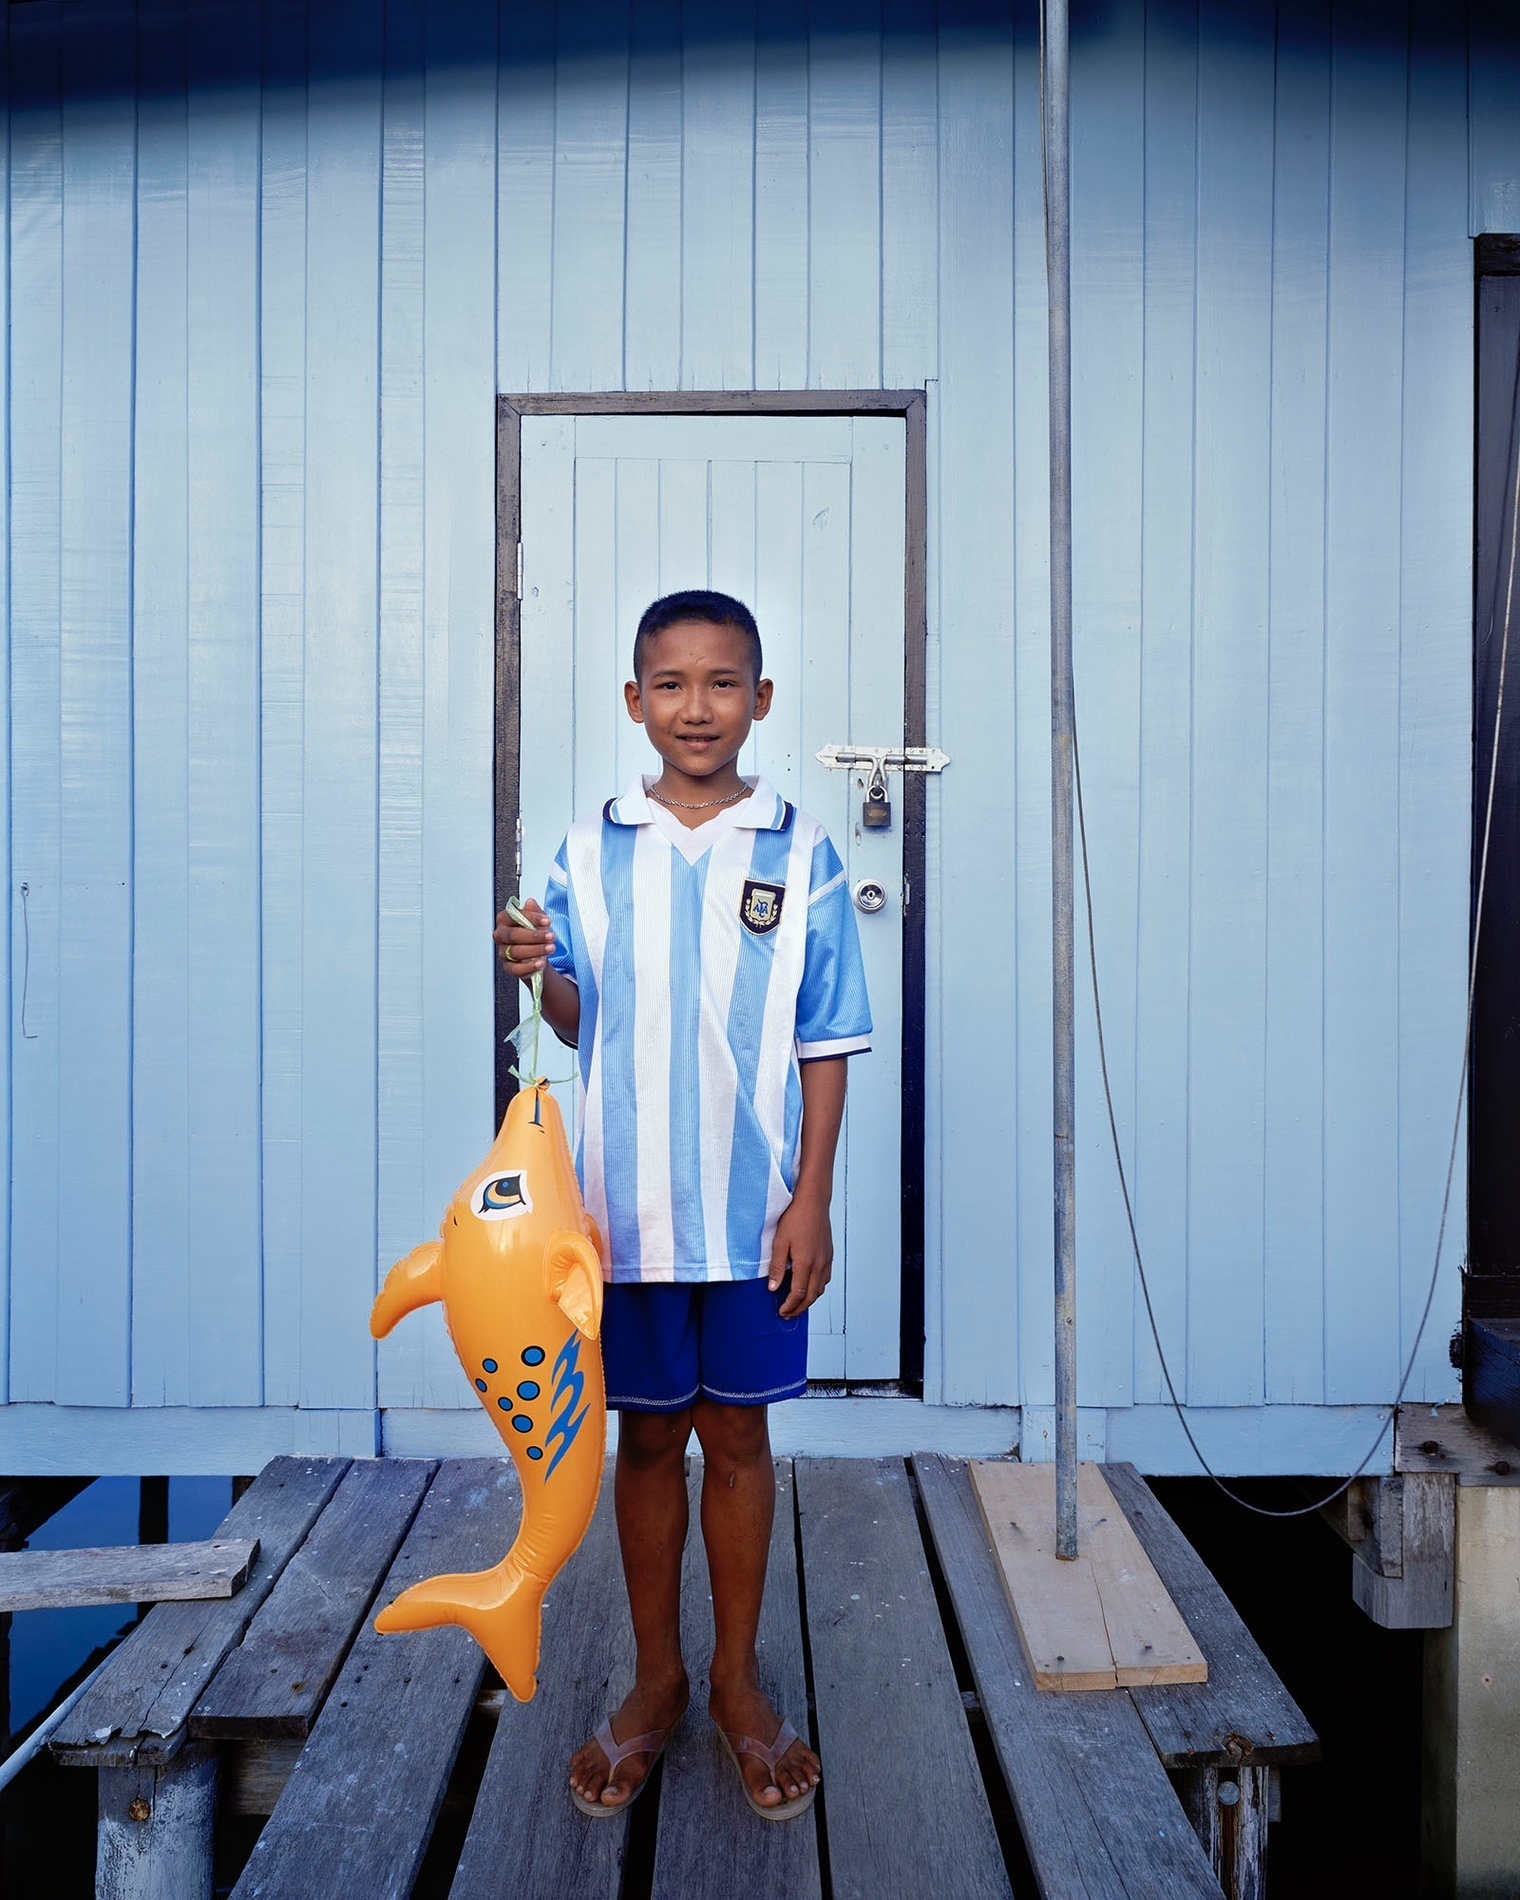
524 952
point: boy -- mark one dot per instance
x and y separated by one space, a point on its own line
700 951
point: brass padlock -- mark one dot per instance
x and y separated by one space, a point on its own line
876 812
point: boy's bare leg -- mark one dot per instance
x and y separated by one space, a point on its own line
738 1504
650 1494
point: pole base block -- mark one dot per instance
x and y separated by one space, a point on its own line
1103 1620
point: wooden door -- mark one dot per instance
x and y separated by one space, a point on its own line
803 519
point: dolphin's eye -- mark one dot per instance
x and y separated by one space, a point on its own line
500 1196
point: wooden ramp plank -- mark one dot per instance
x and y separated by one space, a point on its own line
358 1810
1099 1816
138 1708
706 1827
525 1839
277 1678
1102 1621
1242 1714
906 1812
1060 1618
1151 1640
125 1573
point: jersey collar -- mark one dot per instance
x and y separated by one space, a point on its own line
763 810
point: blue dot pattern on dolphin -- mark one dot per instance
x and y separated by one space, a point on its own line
517 1267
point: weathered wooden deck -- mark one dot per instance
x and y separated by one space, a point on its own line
284 1701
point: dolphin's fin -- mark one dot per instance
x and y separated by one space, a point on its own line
413 1282
501 1608
575 1280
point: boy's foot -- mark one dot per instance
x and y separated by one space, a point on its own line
648 1713
749 1711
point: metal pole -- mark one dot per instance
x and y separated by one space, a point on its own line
13 1764
1056 98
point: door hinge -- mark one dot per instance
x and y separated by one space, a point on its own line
519 570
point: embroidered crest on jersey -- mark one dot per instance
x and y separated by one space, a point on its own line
760 907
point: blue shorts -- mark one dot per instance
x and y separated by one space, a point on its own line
666 1345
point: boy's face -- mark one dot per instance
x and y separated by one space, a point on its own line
697 697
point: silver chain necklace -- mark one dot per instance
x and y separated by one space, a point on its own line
678 804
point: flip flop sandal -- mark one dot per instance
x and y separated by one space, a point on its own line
738 1745
653 1744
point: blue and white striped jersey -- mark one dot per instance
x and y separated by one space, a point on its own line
710 963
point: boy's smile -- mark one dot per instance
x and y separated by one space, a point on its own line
697 697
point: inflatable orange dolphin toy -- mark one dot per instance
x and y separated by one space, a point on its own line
517 1267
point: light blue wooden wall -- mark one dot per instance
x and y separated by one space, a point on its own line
259 299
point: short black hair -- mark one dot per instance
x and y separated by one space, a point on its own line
696 603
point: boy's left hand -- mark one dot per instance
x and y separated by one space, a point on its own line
805 1246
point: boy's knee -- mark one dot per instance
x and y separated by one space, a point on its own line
733 1434
649 1439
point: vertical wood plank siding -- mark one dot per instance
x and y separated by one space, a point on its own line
335 925
161 1021
7 963
1293 1147
221 1335
1435 593
1162 967
1369 83
258 306
282 504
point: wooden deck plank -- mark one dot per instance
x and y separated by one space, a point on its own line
1104 1621
359 1808
706 1827
1058 1610
125 1573
1099 1817
1242 1714
525 1838
906 1810
277 1678
138 1709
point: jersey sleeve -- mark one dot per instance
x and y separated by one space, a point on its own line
557 906
833 1010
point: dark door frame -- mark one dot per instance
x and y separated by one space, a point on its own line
1490 1350
910 405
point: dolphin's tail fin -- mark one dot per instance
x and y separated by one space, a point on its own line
501 1608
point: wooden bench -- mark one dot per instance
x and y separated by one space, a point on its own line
1125 1792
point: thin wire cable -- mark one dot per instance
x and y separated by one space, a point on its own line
1305 1510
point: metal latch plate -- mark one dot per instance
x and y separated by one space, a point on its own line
881 758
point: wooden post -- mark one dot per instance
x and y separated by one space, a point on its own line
1400 1529
1470 1820
156 1834
1229 1809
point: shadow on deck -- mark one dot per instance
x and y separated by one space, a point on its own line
886 1631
